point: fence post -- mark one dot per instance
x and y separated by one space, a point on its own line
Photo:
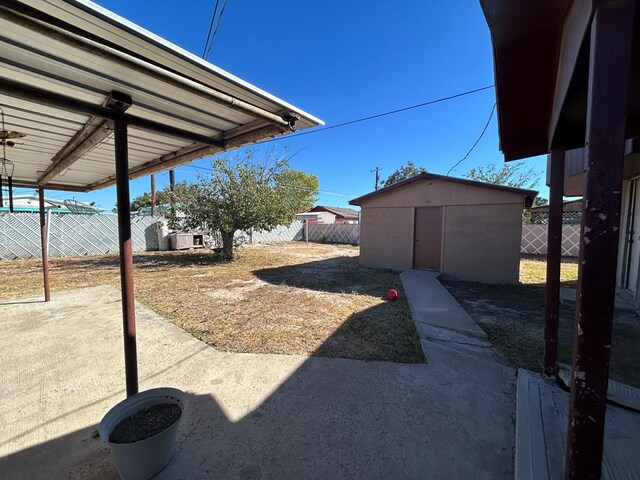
306 231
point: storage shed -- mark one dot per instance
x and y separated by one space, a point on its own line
470 230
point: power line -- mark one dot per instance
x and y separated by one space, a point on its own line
384 114
206 43
215 32
493 109
196 167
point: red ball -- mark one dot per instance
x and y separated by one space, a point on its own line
392 294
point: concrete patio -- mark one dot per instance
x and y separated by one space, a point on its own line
249 416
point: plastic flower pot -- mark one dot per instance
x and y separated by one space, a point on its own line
143 459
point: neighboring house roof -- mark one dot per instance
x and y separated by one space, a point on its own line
339 211
529 194
30 203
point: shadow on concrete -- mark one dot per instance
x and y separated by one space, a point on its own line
323 422
331 418
21 302
116 396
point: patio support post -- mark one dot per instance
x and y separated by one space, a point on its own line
44 236
609 63
153 195
126 255
554 254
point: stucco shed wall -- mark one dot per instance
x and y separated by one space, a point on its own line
482 243
386 237
432 193
481 236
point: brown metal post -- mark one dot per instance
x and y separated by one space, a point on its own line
611 33
126 255
45 247
153 195
554 256
172 187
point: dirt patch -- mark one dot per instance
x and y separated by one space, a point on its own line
146 423
513 318
288 298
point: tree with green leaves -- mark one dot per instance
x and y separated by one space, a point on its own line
404 172
242 194
162 197
509 174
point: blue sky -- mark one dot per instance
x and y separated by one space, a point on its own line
340 61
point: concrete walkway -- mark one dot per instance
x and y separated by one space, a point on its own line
249 416
440 320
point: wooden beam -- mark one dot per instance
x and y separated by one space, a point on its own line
554 257
574 31
95 131
609 64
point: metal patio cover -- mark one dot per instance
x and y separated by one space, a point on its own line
69 68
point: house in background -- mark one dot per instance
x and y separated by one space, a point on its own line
571 213
470 230
628 266
29 204
323 214
340 215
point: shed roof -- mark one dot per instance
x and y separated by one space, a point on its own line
529 195
68 67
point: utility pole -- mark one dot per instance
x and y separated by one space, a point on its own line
172 187
153 195
377 170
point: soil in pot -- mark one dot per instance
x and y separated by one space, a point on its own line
146 423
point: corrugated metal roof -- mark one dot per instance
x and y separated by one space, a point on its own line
80 51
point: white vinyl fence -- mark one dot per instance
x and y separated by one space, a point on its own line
534 240
281 233
71 235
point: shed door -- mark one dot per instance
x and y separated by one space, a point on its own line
428 238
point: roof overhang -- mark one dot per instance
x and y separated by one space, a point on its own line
529 195
70 68
541 56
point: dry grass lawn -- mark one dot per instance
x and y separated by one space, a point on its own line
513 317
287 298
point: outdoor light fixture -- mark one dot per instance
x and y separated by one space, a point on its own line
7 166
